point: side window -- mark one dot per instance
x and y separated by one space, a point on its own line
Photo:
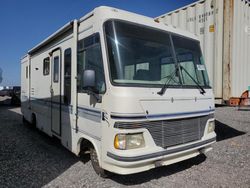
90 58
27 72
67 76
56 69
46 66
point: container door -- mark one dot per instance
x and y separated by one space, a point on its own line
56 93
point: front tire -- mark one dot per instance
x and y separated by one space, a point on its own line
95 163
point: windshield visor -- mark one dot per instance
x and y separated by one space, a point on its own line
141 56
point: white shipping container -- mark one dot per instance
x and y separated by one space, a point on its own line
223 27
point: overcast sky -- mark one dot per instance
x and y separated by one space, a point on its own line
25 23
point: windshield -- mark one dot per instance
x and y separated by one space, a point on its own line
142 56
189 57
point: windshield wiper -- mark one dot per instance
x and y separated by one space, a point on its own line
202 91
166 85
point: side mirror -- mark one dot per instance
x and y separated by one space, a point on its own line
89 84
89 79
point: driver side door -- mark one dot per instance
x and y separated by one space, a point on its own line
89 108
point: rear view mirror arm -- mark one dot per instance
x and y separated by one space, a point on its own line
95 95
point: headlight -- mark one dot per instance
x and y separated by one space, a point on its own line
211 126
129 141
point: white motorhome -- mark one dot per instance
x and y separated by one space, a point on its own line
133 91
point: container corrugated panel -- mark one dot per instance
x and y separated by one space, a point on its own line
207 20
241 47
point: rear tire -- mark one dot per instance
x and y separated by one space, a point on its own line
95 163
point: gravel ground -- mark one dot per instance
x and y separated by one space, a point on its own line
29 158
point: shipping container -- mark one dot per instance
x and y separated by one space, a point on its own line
223 27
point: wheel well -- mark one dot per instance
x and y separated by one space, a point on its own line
84 145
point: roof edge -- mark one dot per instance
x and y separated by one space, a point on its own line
60 31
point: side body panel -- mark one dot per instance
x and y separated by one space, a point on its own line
53 115
89 111
40 99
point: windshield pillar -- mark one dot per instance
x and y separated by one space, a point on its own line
116 51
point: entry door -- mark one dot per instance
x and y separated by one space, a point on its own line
56 93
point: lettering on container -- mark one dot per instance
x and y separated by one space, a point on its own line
202 17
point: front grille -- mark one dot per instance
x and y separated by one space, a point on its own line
171 132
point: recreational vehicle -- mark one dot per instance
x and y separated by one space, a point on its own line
133 91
